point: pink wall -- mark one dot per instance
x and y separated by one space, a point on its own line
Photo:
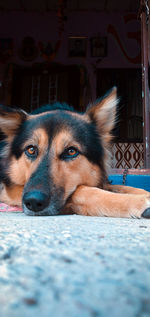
122 49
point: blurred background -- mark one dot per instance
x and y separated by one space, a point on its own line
75 51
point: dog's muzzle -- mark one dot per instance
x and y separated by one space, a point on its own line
37 203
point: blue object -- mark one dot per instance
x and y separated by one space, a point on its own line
138 181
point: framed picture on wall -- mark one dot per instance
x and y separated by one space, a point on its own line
77 46
99 46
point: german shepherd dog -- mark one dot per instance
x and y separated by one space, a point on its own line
56 162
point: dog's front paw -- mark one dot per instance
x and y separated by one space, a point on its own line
144 206
146 213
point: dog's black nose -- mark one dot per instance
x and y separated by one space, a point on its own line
35 200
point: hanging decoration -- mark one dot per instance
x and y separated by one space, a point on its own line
49 50
136 36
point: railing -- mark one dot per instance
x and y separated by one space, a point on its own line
127 155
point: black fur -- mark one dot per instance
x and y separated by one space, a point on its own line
85 133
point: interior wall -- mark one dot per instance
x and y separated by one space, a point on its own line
122 32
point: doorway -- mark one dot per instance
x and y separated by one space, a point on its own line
41 84
130 115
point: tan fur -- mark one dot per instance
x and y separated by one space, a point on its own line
126 189
80 179
21 169
104 114
62 140
91 201
11 195
71 174
10 123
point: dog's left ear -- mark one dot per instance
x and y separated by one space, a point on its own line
103 113
11 119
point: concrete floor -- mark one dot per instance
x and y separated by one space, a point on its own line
74 266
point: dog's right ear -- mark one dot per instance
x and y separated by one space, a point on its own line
103 114
11 119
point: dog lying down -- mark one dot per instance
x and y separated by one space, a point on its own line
56 162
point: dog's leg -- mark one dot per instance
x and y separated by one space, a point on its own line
11 195
92 201
126 190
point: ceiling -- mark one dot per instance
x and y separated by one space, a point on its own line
50 5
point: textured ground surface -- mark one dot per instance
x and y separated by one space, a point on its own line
74 266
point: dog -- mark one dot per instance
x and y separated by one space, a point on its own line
56 160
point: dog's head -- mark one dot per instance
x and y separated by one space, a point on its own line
46 156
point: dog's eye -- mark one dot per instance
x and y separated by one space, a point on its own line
69 153
31 151
72 151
